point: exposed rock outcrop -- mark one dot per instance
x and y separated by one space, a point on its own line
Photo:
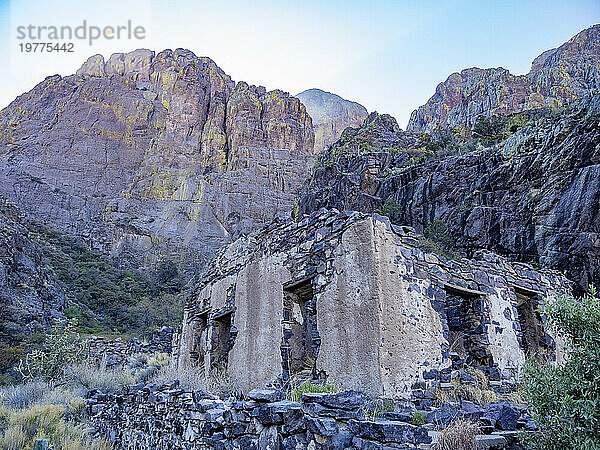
331 115
534 196
30 296
556 77
151 156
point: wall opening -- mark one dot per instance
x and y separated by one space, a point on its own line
535 342
467 331
199 340
222 340
300 342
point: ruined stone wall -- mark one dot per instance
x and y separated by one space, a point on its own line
165 417
114 352
352 299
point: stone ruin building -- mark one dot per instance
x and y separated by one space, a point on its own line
352 299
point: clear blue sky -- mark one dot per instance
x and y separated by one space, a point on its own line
387 55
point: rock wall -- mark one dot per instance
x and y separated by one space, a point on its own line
168 417
353 300
533 197
114 352
556 77
151 416
152 157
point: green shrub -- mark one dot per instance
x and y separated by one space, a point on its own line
392 209
295 394
62 347
565 399
491 130
418 419
437 239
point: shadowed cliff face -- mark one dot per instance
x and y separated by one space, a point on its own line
151 157
30 295
331 115
556 77
535 196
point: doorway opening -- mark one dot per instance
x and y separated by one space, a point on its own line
535 342
300 342
467 332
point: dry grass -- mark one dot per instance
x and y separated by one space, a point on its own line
479 392
459 435
218 383
20 429
90 376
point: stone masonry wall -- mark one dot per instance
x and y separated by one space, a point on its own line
114 352
161 417
352 299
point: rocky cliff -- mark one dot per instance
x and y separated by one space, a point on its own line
331 115
30 295
556 77
152 157
534 195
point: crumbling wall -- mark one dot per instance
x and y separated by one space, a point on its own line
256 357
166 417
411 334
348 316
382 312
114 352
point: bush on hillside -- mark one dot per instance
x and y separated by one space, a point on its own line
565 399
437 239
105 298
392 209
62 347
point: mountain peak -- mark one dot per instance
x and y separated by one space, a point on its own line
557 76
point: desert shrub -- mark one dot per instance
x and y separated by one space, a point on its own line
22 427
459 435
418 419
392 209
158 359
9 354
219 382
438 239
295 393
62 347
90 376
565 399
20 396
491 130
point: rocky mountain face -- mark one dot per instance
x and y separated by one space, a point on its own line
556 77
152 157
534 196
331 115
30 295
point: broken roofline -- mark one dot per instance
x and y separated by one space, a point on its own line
284 234
368 279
